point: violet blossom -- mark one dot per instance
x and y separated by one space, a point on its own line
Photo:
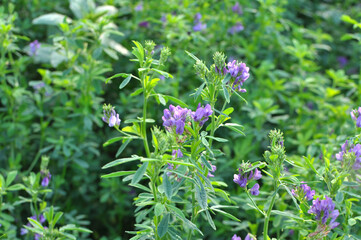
324 211
34 47
175 119
303 191
202 114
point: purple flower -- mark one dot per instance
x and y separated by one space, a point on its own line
111 117
139 7
23 231
202 114
303 191
342 60
46 179
178 153
324 211
163 18
248 237
353 149
242 178
236 28
144 24
175 118
38 86
214 168
237 9
235 237
34 46
255 190
356 115
199 27
239 74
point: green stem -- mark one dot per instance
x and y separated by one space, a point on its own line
193 216
267 218
144 126
254 204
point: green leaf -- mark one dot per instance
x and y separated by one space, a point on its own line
206 163
159 209
56 218
125 81
139 173
351 221
226 214
117 174
226 94
192 56
167 186
199 90
121 161
201 194
339 197
113 140
176 100
121 148
233 127
163 225
179 214
238 95
51 19
308 161
72 227
15 187
210 220
161 99
226 78
10 177
35 224
165 74
286 214
218 139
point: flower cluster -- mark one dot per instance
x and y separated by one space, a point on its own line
356 150
239 73
34 46
110 116
237 9
356 115
325 212
236 28
202 114
24 231
198 25
46 178
303 191
175 118
139 7
244 176
248 237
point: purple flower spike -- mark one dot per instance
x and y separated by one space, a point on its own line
356 115
46 180
342 60
139 7
257 174
111 117
240 180
178 153
236 28
303 191
202 114
235 237
239 74
34 46
255 190
324 211
214 168
237 9
175 119
144 24
23 231
198 25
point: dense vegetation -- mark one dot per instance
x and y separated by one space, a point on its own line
176 119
